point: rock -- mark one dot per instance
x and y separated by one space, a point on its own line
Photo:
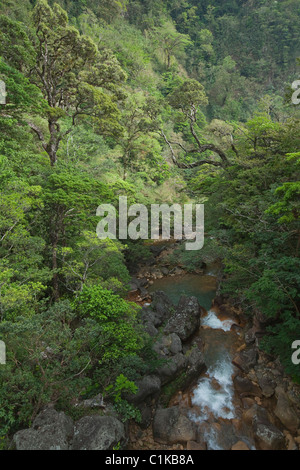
172 368
297 440
144 294
175 343
195 366
51 430
245 387
249 414
156 250
266 382
162 306
165 271
240 445
246 359
177 271
150 329
149 316
192 445
248 402
268 436
148 386
95 402
98 433
172 343
146 411
221 435
291 444
186 319
250 336
285 412
171 426
133 287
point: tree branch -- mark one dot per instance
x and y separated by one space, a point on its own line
202 148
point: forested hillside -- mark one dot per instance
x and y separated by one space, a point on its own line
162 102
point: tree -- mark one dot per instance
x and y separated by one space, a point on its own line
76 79
71 198
170 41
15 45
187 99
138 141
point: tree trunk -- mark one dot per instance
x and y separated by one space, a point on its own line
53 143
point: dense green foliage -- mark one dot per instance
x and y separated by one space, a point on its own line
161 101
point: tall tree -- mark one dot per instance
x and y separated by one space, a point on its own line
76 79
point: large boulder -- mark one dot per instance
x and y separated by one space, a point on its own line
51 430
98 433
186 319
267 436
171 426
157 313
285 411
266 381
148 386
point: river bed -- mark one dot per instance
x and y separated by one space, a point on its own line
214 405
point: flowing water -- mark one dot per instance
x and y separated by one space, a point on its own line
214 406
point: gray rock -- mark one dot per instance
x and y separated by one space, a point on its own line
195 366
186 319
175 343
266 382
150 329
150 317
162 306
98 433
171 343
171 426
164 271
51 430
148 386
168 371
95 402
267 436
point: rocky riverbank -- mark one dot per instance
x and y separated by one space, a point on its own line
266 401
266 405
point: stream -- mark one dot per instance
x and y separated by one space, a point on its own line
214 405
